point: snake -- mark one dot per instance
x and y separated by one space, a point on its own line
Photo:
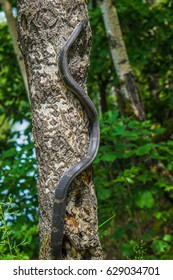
61 191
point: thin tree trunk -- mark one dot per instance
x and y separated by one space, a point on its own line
129 99
102 89
151 2
94 4
6 6
60 125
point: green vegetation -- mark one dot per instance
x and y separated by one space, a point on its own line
18 195
134 167
129 184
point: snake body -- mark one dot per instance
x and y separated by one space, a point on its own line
59 204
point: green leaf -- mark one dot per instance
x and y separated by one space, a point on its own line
109 157
129 180
160 246
145 149
170 143
119 129
168 188
145 200
9 153
167 237
162 215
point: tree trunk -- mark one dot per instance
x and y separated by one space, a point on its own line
6 6
102 89
151 2
60 125
129 99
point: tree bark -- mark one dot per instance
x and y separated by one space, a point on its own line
60 125
6 6
151 2
129 99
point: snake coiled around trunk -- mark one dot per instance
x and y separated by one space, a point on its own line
59 204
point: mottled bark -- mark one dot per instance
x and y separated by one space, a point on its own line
129 99
151 2
6 6
153 81
60 125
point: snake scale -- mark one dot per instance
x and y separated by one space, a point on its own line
59 204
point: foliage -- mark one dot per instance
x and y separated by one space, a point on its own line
148 34
17 160
128 181
13 238
128 184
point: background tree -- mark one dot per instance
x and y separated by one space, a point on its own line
7 7
17 161
128 95
124 165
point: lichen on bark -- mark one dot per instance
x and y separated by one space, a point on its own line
128 98
60 125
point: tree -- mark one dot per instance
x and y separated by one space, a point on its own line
115 157
6 6
60 125
129 99
18 197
